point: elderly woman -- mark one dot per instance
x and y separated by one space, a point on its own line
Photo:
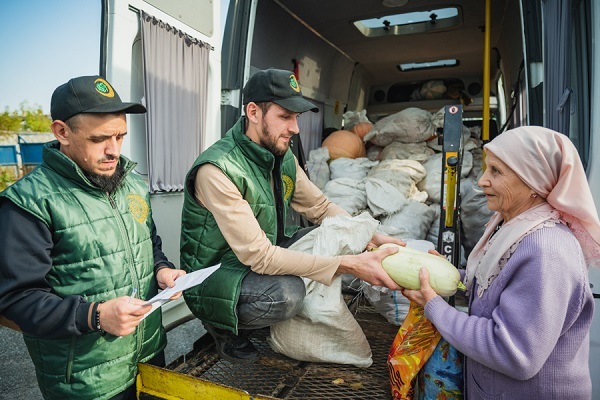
526 335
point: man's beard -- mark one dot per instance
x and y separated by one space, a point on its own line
107 183
270 143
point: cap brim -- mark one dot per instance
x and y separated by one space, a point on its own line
127 108
297 104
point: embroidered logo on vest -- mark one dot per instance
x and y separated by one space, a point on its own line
288 186
138 207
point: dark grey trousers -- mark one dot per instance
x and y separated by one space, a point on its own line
267 299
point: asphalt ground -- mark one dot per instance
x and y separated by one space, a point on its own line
17 376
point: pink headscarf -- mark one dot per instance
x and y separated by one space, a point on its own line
549 164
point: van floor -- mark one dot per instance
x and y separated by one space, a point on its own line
280 377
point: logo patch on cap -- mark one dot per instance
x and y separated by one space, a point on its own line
294 83
104 88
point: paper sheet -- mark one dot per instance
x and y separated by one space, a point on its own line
182 283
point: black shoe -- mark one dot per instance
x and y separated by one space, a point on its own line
234 348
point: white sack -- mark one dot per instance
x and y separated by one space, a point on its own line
394 232
318 169
383 198
402 174
411 125
477 169
325 330
415 217
389 303
374 152
347 193
434 229
432 183
474 213
352 118
355 168
406 151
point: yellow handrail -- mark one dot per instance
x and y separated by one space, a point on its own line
485 127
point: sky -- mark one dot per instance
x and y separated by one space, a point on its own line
43 44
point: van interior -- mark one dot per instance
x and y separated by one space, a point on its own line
384 56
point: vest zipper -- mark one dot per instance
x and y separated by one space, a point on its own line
278 200
69 370
134 277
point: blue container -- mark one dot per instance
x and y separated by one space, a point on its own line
31 153
8 154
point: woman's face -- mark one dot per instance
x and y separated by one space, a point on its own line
504 190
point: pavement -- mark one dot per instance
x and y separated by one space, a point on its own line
17 376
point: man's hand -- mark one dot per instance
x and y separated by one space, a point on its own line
426 293
367 266
378 239
119 317
166 278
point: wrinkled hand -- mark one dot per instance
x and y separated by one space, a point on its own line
378 239
426 293
166 278
119 317
367 266
435 253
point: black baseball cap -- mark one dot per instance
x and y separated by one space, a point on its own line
88 94
277 86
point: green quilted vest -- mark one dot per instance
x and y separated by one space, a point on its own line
102 249
250 167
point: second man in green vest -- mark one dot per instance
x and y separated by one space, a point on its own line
237 195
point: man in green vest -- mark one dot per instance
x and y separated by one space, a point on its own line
237 196
79 253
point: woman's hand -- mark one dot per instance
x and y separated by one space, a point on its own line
426 293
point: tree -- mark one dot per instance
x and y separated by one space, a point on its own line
10 121
26 119
35 120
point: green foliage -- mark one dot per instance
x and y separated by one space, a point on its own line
36 120
25 119
6 178
10 121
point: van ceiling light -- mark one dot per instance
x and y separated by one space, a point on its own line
393 3
427 65
411 22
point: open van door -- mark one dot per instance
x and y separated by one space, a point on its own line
166 55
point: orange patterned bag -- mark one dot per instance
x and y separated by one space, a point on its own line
415 341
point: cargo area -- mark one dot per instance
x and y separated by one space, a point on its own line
276 376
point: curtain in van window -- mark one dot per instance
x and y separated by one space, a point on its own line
176 93
311 129
557 63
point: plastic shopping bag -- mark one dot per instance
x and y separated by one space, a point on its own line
414 343
442 376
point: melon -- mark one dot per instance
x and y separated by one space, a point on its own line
344 144
362 128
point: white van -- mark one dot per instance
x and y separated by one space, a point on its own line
507 62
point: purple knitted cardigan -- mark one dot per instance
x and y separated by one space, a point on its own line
527 337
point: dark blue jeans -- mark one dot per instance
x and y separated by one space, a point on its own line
267 299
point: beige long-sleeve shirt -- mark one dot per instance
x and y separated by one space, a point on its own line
235 219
